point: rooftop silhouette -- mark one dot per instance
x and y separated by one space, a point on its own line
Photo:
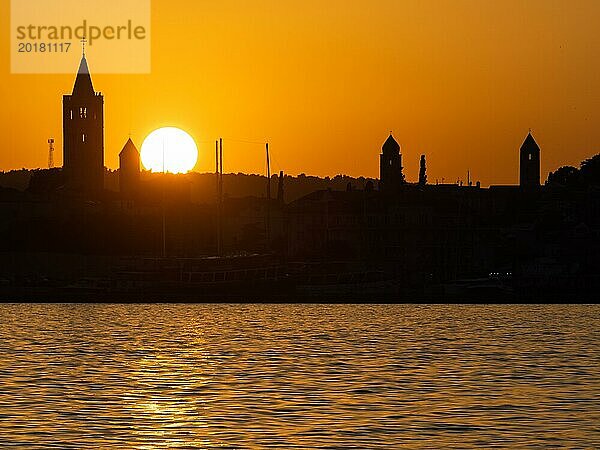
83 82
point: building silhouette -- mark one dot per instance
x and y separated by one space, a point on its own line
161 230
390 165
129 169
83 135
529 166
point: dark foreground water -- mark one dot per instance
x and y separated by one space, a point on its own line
156 376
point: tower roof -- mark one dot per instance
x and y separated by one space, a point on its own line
128 148
529 143
83 82
390 145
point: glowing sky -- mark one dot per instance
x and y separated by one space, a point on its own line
325 81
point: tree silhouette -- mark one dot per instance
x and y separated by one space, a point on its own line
564 176
590 170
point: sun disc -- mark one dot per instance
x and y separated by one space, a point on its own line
169 149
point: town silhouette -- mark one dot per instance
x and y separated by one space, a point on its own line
83 232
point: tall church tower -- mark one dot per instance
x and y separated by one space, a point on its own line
390 165
529 165
83 134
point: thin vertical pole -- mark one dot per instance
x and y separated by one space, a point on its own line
164 226
218 196
268 174
217 167
221 196
221 162
268 209
221 153
164 218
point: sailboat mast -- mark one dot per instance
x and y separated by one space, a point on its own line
218 196
268 174
164 214
220 189
268 208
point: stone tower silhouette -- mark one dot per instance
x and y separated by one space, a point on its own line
129 169
529 166
390 165
83 135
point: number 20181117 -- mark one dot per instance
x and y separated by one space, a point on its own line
42 47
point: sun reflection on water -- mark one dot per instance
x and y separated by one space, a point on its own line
148 376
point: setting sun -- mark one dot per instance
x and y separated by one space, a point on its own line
169 149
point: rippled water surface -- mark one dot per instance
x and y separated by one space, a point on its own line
156 376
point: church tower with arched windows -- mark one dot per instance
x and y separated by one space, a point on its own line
83 134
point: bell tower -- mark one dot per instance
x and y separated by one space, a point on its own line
390 165
83 134
129 169
529 163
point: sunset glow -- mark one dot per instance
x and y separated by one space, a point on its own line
461 82
309 224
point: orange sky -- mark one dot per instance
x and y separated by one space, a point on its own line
325 81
